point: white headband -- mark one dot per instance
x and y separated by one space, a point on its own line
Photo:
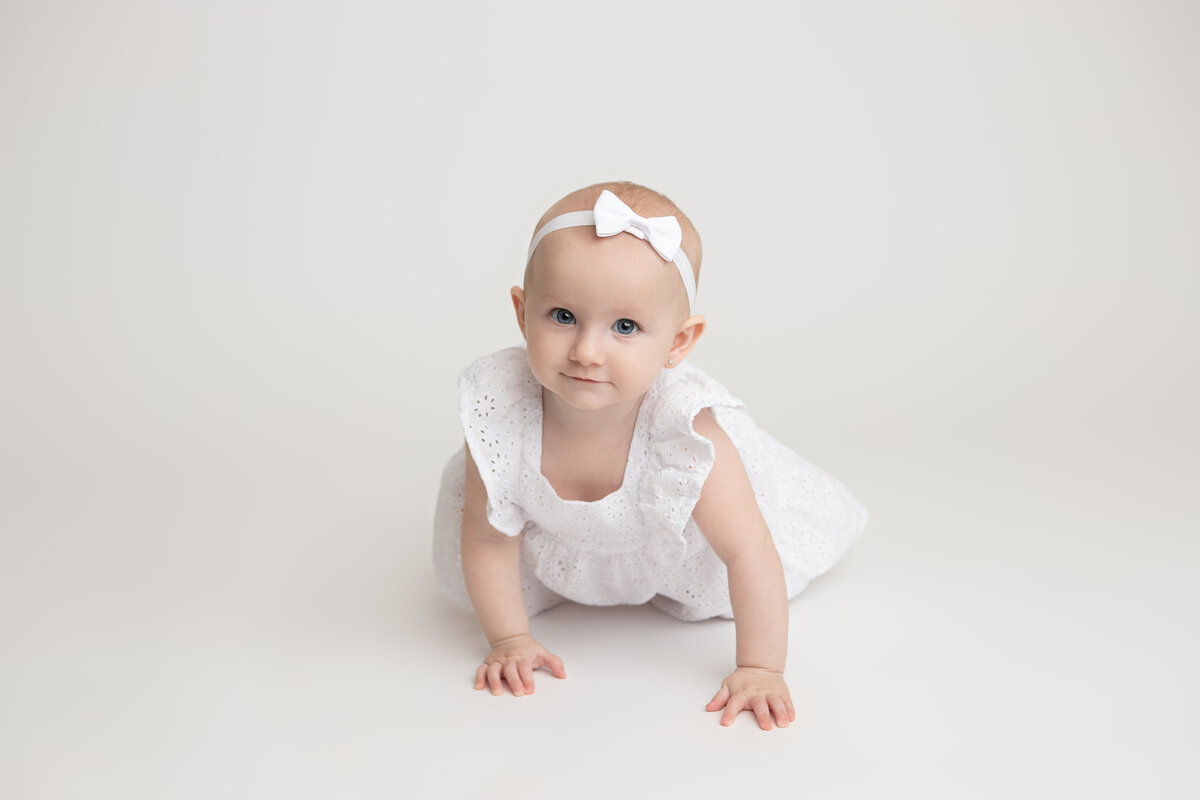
611 216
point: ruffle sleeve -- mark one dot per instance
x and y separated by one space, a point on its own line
498 400
679 459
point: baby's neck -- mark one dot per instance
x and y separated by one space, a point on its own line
584 453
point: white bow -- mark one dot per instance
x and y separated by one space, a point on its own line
613 217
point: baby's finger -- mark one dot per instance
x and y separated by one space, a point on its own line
782 717
514 680
554 663
734 707
787 702
525 673
719 699
493 675
759 706
480 676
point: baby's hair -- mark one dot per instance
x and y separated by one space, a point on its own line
643 200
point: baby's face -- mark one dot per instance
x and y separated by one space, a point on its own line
599 316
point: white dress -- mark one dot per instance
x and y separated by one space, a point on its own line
640 543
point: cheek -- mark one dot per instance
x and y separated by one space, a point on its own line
541 353
644 366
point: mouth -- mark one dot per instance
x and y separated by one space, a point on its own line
582 380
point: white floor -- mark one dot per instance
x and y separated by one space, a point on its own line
989 637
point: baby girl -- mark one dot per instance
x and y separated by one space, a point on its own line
602 468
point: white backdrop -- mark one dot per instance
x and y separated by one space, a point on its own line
951 255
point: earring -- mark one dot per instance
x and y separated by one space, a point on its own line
670 361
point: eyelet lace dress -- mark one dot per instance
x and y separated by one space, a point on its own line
640 543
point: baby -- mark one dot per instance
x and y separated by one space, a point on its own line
601 468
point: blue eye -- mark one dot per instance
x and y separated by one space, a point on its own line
625 326
562 316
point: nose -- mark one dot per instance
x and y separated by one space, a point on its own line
588 348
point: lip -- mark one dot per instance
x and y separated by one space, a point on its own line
582 380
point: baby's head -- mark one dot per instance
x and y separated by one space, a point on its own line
608 293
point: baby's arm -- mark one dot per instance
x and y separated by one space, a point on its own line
731 520
491 563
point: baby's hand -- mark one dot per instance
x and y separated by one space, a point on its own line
762 691
514 659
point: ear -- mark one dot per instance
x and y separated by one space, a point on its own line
518 299
685 340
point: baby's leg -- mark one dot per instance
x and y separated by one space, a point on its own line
684 612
